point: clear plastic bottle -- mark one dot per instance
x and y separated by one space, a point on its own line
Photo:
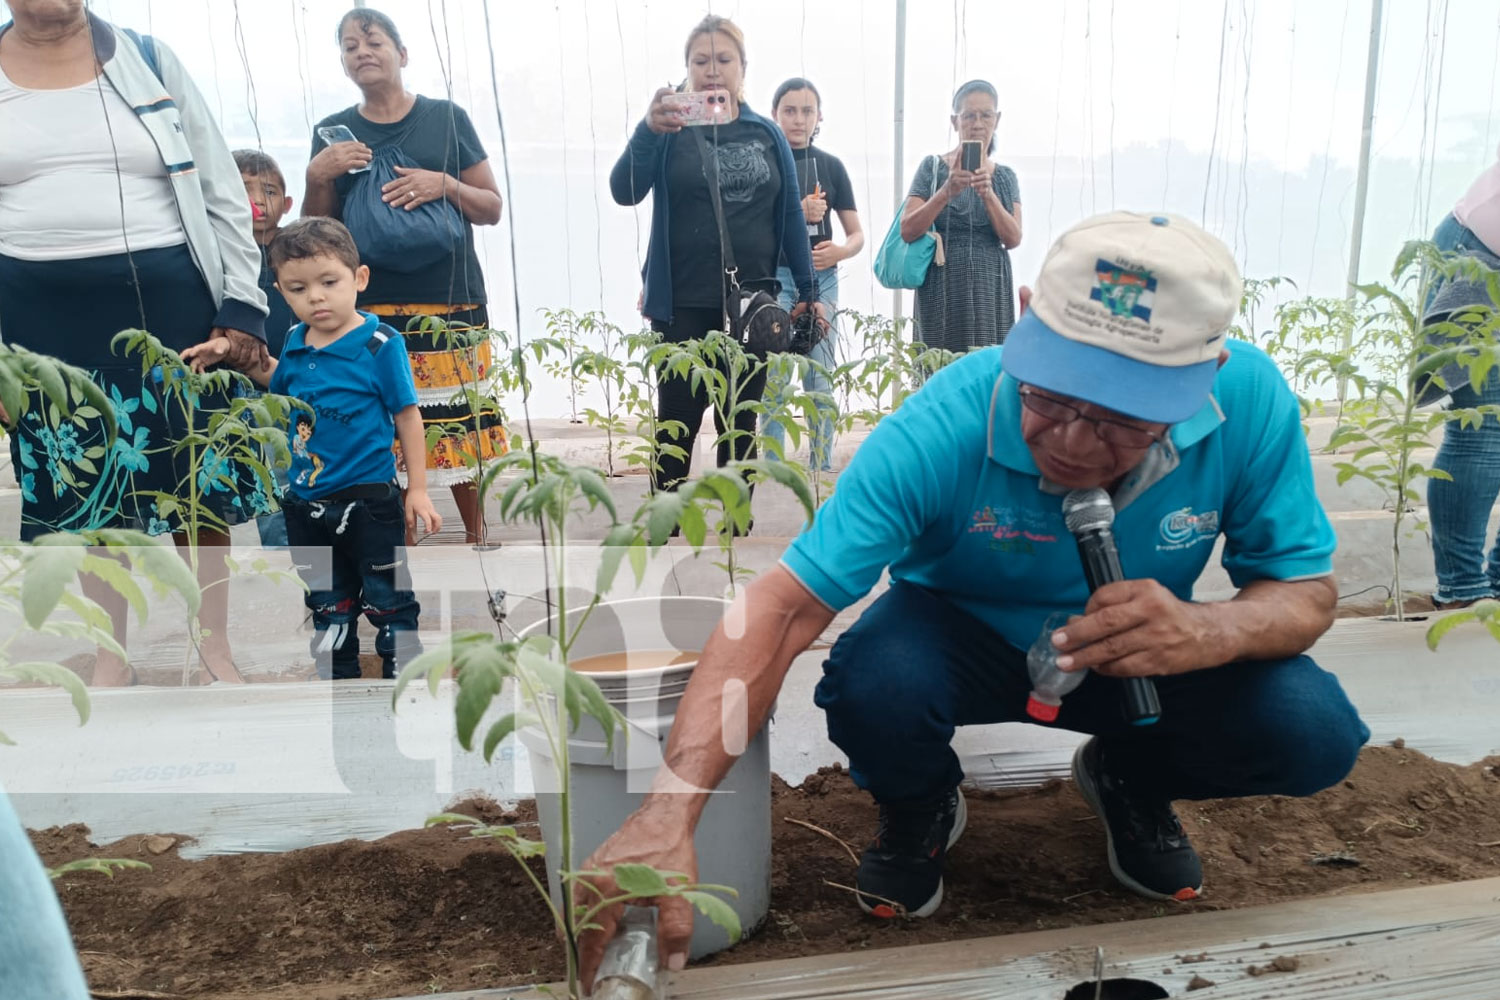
1048 683
628 970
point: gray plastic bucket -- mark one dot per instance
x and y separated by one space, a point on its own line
734 835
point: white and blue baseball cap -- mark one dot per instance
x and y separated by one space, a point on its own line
1129 313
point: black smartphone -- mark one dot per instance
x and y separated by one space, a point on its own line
971 155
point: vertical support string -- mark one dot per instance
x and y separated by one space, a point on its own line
1338 73
1166 166
252 102
1286 142
1213 141
1062 50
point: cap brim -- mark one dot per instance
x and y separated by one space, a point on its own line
1037 355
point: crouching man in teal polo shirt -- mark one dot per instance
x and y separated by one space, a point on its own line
1119 376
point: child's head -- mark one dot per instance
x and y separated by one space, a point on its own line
266 188
318 273
303 422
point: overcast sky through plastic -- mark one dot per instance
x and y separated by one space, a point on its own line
1123 104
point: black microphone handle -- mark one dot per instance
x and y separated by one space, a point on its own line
1101 565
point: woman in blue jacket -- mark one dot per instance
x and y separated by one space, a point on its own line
684 273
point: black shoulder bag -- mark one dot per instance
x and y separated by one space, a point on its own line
755 319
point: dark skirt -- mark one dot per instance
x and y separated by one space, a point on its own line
71 477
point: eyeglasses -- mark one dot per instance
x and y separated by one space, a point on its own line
987 117
1109 431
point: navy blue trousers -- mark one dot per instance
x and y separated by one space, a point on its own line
915 666
351 554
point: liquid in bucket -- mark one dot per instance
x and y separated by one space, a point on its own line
635 659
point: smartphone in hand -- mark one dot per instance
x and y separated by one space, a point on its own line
972 155
332 134
700 107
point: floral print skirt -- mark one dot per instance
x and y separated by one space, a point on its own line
453 373
72 477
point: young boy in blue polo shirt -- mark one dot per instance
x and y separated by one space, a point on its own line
343 498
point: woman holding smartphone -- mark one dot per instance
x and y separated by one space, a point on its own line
684 274
826 192
975 206
451 165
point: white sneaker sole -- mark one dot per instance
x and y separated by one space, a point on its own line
927 909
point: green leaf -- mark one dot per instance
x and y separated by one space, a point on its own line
167 569
101 637
98 866
662 514
443 819
507 725
592 485
594 703
617 542
119 579
714 909
12 395
640 881
49 570
694 525
479 683
55 675
46 372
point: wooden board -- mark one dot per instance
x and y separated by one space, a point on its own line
1429 943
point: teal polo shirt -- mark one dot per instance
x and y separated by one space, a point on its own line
356 386
944 492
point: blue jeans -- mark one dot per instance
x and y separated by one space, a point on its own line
821 451
351 553
37 959
1460 509
1452 236
915 666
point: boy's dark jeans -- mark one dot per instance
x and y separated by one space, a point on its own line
350 551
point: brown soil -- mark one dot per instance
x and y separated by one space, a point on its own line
429 910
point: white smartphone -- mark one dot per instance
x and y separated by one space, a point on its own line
706 107
340 133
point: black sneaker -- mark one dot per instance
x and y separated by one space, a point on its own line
1148 851
904 863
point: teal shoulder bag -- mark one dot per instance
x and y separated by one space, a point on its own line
899 264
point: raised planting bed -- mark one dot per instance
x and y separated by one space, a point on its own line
428 911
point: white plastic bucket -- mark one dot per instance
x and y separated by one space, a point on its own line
734 835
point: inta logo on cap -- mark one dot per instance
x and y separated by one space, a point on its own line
1154 288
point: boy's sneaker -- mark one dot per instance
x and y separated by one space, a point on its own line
1148 851
904 863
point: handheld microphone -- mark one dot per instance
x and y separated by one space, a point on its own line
1089 515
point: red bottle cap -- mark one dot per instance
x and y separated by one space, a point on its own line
1040 710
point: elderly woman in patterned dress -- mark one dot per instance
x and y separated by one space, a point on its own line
968 301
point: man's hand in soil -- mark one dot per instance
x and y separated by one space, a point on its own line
646 838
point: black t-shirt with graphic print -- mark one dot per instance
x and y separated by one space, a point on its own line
817 169
750 183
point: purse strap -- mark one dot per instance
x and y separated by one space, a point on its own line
706 157
709 163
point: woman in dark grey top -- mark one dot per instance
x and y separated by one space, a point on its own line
968 301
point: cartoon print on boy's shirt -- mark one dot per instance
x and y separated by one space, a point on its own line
305 464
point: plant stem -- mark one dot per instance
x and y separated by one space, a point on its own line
564 767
